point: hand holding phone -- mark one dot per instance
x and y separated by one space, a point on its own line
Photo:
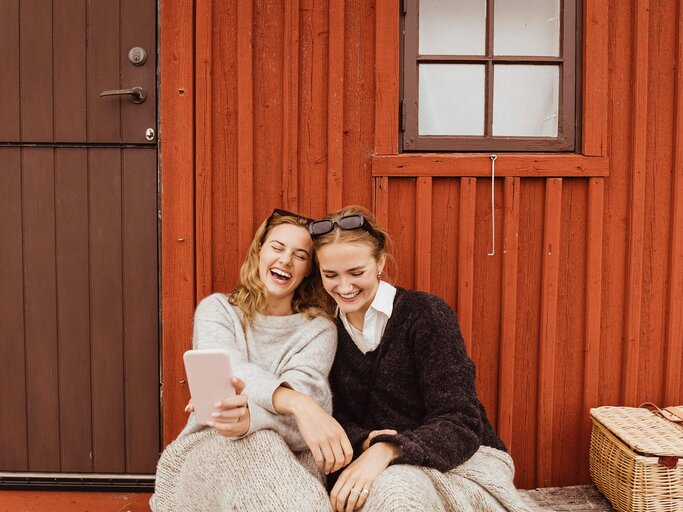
208 374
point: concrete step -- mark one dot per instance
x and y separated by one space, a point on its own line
577 498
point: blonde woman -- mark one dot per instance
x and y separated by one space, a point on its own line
403 387
268 446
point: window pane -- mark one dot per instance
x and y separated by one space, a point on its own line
449 27
451 99
526 27
525 100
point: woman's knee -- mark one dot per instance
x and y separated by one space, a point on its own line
402 487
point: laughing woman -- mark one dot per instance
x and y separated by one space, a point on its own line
403 388
269 445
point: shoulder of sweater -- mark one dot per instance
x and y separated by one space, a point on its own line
324 322
217 304
321 325
421 304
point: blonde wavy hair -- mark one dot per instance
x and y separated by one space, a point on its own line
380 245
249 295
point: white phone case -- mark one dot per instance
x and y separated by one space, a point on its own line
208 373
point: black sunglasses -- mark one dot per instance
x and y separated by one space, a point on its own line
347 223
283 213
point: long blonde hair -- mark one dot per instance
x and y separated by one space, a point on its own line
249 295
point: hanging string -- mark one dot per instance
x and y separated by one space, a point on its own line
493 205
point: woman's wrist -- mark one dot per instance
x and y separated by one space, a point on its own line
289 402
386 450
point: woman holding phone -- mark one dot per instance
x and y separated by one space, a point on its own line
403 387
261 449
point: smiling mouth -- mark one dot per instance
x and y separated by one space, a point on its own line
280 276
348 297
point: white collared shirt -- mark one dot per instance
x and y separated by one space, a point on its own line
376 318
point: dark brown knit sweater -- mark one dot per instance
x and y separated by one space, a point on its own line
424 386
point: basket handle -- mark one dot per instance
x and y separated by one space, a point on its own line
672 414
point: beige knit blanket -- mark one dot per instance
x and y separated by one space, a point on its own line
210 473
483 483
206 472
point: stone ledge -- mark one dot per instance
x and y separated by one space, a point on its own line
560 499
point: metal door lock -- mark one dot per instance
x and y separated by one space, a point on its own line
137 56
149 134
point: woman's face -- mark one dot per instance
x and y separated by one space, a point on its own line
284 261
349 274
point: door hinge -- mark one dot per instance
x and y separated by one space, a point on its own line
404 6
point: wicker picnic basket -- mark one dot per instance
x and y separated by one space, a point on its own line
634 459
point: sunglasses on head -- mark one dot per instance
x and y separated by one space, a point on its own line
277 212
347 223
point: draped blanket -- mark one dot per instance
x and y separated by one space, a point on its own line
207 472
484 483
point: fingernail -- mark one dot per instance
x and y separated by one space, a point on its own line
217 404
215 414
209 423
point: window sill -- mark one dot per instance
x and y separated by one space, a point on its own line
441 165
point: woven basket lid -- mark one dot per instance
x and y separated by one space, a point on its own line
642 430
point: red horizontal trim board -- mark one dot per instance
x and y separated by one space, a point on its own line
479 165
32 501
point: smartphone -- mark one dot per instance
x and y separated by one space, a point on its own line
208 373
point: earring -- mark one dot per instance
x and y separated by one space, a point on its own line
379 274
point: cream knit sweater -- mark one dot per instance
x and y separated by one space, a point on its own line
275 350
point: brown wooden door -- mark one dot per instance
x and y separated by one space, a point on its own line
79 377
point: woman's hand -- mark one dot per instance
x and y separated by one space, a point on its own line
324 436
232 416
355 483
374 433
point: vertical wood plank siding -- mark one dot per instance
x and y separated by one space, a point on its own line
177 155
468 192
632 318
591 379
548 337
423 234
674 331
508 310
245 125
580 305
335 98
290 104
203 152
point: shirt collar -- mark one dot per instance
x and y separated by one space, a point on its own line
384 298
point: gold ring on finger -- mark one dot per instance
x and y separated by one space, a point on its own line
354 491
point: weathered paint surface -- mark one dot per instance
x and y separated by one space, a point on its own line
296 105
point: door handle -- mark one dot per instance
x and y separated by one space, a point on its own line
135 94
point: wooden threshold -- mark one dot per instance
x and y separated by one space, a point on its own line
52 501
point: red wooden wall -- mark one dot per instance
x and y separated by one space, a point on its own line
294 104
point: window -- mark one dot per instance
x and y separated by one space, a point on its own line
496 75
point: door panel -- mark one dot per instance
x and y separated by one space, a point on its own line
69 71
13 447
73 296
59 57
79 363
140 304
79 370
40 307
9 78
